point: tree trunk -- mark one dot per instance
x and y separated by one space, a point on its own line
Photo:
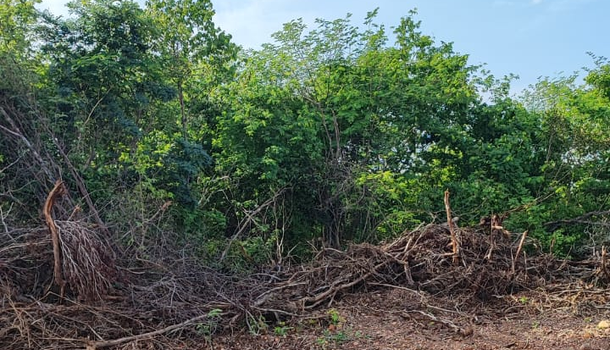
182 111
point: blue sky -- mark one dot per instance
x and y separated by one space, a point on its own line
530 38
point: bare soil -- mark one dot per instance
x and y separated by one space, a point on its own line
393 319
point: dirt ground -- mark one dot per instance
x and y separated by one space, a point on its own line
394 319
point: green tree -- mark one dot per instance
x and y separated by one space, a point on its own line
193 49
103 77
575 145
25 173
117 73
17 18
357 131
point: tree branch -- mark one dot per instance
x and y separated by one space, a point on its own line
554 225
57 191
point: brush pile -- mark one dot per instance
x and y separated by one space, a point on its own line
105 305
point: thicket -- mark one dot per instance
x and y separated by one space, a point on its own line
171 140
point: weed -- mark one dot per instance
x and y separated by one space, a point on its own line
335 318
208 328
359 335
322 342
336 333
338 337
256 326
215 313
281 329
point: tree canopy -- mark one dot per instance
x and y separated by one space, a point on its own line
324 136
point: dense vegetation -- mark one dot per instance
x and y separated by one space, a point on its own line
178 140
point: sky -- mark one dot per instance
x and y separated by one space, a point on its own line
529 38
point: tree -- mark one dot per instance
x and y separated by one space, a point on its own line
25 173
193 49
574 142
344 121
116 73
16 21
104 76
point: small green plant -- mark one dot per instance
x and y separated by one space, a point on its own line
207 329
359 335
322 342
524 300
256 326
332 337
281 329
335 318
203 329
214 313
337 333
338 337
535 324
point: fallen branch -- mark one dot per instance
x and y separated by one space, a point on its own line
523 236
318 299
604 262
82 188
554 225
453 326
57 191
106 343
454 242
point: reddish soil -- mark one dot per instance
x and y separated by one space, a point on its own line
392 320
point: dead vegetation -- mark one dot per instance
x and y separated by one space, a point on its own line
74 292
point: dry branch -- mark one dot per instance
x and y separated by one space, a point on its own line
57 191
107 343
519 248
82 188
583 219
604 263
249 219
454 241
16 132
163 298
